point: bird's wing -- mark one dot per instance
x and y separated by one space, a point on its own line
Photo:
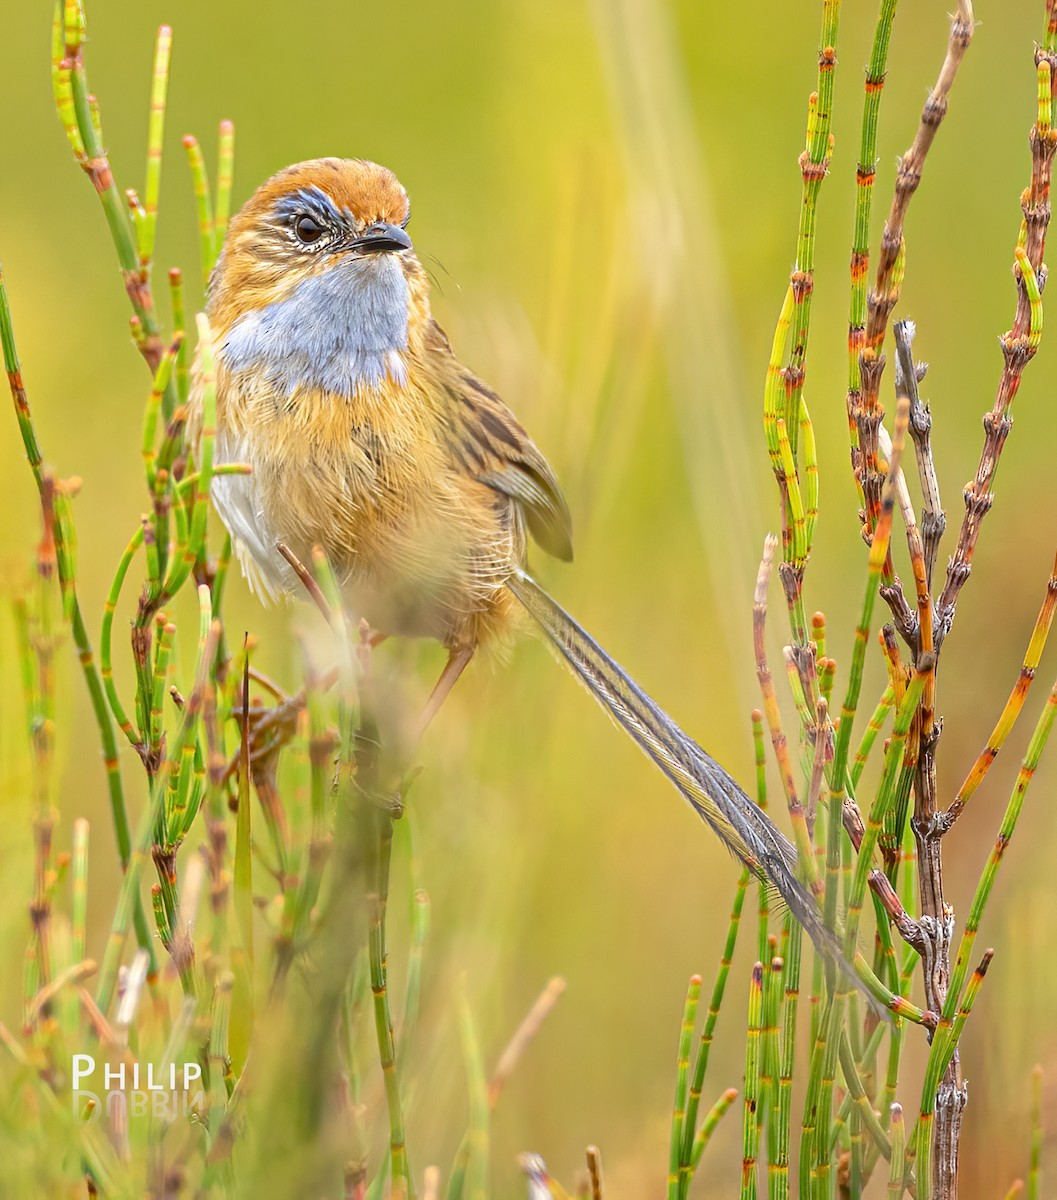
490 443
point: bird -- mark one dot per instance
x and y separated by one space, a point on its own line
366 436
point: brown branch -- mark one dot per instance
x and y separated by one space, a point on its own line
779 743
1018 349
909 930
936 925
868 413
923 641
898 672
908 375
851 819
822 756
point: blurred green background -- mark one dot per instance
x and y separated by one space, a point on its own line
607 195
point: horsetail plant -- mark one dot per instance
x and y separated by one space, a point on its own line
911 694
273 820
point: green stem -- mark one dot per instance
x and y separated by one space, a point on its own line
85 655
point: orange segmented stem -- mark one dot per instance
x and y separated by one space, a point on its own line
874 727
827 674
183 563
148 824
105 667
186 786
678 1139
953 1016
163 653
823 752
820 1101
814 166
179 321
697 1083
64 537
890 269
382 1015
840 1117
1031 286
1014 704
944 1042
760 754
1028 767
838 781
712 1118
1018 345
62 86
89 149
860 251
774 395
898 672
153 408
898 1005
750 1134
766 1108
787 1054
897 1162
818 634
883 800
200 179
860 1100
811 485
797 552
783 463
147 225
79 909
225 179
796 689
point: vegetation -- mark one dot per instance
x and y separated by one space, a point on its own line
263 941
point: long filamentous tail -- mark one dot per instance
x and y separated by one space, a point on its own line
740 824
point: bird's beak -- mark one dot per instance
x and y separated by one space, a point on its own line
380 237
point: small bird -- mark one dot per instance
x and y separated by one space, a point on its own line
366 436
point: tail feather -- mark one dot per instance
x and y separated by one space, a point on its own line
740 824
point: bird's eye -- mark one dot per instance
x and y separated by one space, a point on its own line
308 230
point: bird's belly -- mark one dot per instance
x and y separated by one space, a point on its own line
421 549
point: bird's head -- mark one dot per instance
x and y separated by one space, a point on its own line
317 284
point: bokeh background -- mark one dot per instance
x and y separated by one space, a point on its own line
607 195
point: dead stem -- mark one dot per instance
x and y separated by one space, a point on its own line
868 413
908 376
779 742
1018 345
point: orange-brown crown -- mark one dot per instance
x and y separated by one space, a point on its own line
369 191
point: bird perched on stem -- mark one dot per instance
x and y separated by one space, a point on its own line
368 437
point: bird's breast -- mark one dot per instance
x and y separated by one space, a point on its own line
355 459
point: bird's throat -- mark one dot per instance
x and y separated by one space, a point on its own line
342 331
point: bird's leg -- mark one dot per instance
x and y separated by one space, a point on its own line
458 660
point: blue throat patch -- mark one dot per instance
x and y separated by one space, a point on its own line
337 332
